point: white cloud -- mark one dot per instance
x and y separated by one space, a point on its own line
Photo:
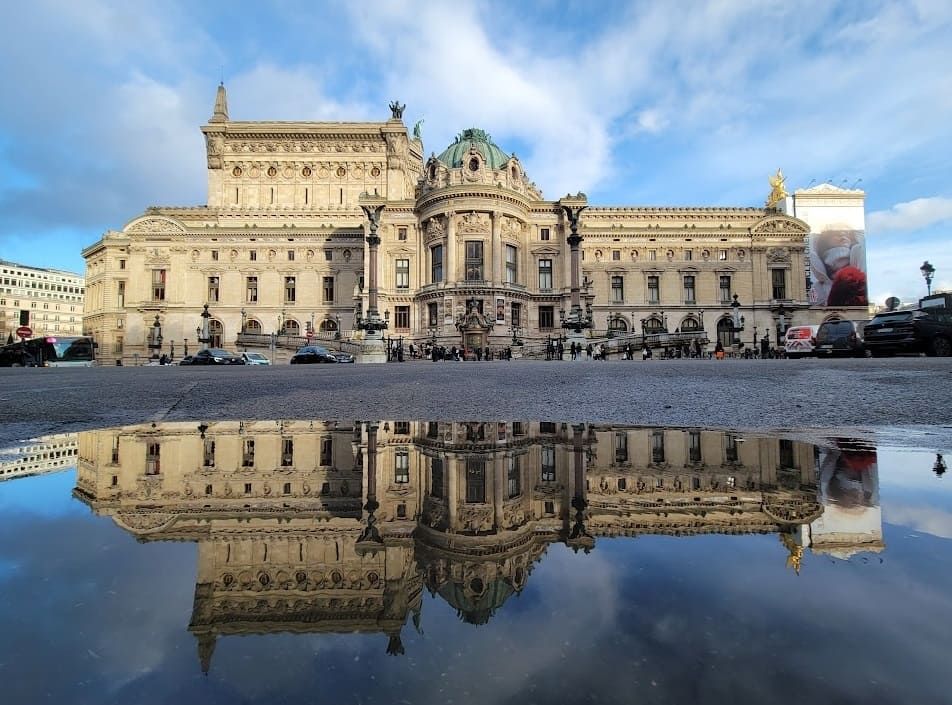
911 215
928 520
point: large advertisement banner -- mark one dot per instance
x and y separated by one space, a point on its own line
838 267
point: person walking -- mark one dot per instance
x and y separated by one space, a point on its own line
588 351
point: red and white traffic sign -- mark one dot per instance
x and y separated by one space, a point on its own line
24 332
309 335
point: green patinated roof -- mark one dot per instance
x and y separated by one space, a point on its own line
453 155
482 608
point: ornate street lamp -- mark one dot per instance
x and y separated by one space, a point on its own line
244 320
736 319
372 206
336 329
576 320
204 330
928 271
155 338
939 468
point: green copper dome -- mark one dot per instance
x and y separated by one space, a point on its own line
453 155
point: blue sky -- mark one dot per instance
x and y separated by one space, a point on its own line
634 103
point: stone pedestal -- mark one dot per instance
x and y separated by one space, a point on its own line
572 337
372 348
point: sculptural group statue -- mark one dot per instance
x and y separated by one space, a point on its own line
778 190
416 130
396 110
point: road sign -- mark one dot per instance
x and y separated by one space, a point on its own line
24 332
309 335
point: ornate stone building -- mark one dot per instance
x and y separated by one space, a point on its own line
280 247
306 526
49 301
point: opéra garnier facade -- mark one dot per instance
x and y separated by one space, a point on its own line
281 247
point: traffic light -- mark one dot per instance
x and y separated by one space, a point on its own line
24 317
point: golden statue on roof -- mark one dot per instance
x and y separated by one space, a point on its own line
778 190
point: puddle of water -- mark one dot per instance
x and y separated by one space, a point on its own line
477 562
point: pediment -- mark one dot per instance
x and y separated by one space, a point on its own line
545 250
154 224
780 225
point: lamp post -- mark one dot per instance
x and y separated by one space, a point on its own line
155 338
939 467
737 320
576 320
244 320
781 322
337 327
644 328
928 271
205 337
185 353
171 350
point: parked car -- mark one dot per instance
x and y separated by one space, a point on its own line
342 356
840 337
312 354
213 356
253 358
919 331
800 341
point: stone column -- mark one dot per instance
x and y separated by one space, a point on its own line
449 266
499 490
497 248
452 493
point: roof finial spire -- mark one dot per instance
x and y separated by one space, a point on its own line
221 105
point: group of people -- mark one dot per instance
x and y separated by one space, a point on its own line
439 353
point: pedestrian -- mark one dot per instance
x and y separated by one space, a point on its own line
559 350
719 350
644 352
588 351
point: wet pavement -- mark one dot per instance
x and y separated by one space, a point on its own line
433 560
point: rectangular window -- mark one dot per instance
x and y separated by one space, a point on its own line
657 446
543 233
621 447
214 255
401 467
208 453
786 453
616 255
515 313
290 293
432 314
401 317
722 255
778 278
327 450
515 477
694 449
548 464
545 274
654 293
248 453
253 255
287 452
401 428
328 290
688 255
436 264
725 289
290 255
401 233
403 273
158 285
689 293
121 294
512 272
152 461
546 317
474 260
251 290
731 449
436 477
652 255
475 480
122 264
328 255
618 289
212 290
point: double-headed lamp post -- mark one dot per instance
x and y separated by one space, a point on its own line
155 338
738 320
928 271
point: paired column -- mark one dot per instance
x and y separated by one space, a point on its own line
497 247
449 270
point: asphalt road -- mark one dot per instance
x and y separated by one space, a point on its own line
904 401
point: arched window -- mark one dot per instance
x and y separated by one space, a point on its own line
725 332
617 325
292 327
327 325
253 326
216 333
689 324
654 325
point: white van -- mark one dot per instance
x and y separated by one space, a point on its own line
800 341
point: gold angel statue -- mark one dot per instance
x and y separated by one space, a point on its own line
778 191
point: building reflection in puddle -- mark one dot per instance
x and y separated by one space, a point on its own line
311 526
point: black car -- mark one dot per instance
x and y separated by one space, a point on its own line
922 331
840 337
342 356
213 356
312 354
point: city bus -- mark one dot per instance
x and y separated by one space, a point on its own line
50 351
